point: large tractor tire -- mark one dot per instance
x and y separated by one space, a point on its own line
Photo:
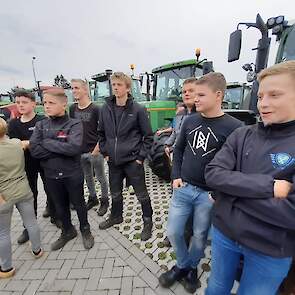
158 160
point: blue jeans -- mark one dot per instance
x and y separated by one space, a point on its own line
185 201
262 274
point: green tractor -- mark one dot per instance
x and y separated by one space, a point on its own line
285 35
167 82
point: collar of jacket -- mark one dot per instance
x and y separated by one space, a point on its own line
280 129
63 118
111 101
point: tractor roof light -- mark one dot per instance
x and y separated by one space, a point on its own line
198 53
275 21
132 66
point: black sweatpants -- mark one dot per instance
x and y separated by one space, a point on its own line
134 172
64 191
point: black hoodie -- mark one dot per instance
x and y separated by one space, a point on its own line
243 172
127 140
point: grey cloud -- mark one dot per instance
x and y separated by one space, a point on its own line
10 70
119 40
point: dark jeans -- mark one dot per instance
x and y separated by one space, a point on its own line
68 190
134 172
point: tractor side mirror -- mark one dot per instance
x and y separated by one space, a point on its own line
207 67
235 43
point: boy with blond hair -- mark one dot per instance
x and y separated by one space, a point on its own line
125 138
254 175
57 142
201 136
91 158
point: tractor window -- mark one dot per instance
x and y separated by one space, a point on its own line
99 91
136 91
233 98
289 48
169 83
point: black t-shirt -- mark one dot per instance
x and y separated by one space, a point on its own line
90 118
118 110
199 140
24 131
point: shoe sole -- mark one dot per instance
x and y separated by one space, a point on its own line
38 255
6 275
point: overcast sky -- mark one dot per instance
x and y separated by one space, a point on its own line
80 38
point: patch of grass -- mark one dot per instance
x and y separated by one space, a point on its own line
148 245
173 255
136 236
160 235
126 227
162 255
160 245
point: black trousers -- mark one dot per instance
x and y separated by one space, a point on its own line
64 191
32 173
134 172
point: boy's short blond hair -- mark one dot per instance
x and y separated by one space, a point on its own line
214 80
3 127
80 81
123 77
190 80
57 92
287 67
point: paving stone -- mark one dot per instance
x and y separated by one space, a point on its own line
123 253
134 264
68 255
80 259
36 274
79 287
94 278
138 291
126 286
128 272
63 273
139 283
17 285
149 278
63 285
108 268
93 263
109 283
117 272
52 264
119 262
48 280
150 264
79 273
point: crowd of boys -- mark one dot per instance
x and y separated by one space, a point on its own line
237 179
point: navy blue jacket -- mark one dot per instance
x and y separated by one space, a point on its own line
243 172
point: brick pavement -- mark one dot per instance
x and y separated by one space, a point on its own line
113 266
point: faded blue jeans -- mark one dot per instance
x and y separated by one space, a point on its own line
26 210
185 201
262 274
95 164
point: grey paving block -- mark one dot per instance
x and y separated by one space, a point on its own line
117 272
94 278
79 287
138 291
48 280
109 283
150 264
36 274
107 268
139 283
17 285
79 273
128 272
123 253
135 264
62 285
66 267
93 263
79 261
52 264
149 278
126 285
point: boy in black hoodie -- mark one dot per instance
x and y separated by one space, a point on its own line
57 142
125 137
201 136
254 174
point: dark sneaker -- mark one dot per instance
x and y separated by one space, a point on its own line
103 208
147 229
110 222
63 239
190 281
91 203
46 213
168 278
23 238
88 239
5 274
166 242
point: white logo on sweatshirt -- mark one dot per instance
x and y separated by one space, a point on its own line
201 139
